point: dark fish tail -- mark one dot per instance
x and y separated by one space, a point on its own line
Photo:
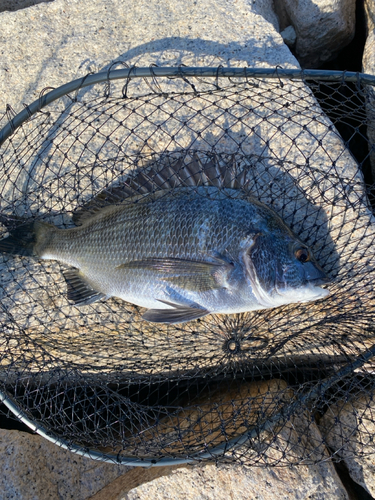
24 239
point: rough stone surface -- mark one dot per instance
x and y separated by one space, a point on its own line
220 483
266 9
323 28
232 412
349 429
223 481
369 7
289 36
368 60
368 66
32 468
52 43
281 14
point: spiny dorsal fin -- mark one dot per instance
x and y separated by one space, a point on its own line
113 196
168 171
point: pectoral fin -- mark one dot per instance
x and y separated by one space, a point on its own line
191 275
79 291
179 314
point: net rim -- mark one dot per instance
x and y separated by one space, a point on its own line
177 72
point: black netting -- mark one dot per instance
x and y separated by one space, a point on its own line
279 386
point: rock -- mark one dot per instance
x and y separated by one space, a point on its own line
368 60
64 40
289 36
323 28
32 468
206 481
266 9
349 428
221 482
369 7
368 66
229 411
282 15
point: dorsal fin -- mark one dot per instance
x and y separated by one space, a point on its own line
167 171
110 196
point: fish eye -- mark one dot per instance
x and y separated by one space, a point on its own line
302 254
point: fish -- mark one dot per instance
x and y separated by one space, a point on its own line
182 250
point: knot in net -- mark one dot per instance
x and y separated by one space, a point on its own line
270 386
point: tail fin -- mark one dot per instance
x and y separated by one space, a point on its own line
22 239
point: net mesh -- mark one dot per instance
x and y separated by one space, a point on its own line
288 385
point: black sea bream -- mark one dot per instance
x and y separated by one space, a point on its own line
181 253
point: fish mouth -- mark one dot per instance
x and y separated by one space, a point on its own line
314 274
306 293
319 281
321 293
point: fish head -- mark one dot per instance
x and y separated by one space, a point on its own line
283 270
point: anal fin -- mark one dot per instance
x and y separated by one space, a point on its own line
79 291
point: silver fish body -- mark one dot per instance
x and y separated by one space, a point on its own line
182 254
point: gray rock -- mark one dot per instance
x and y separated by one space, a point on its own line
221 482
368 66
203 482
349 428
265 9
32 468
281 14
289 36
52 43
368 60
323 28
369 7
